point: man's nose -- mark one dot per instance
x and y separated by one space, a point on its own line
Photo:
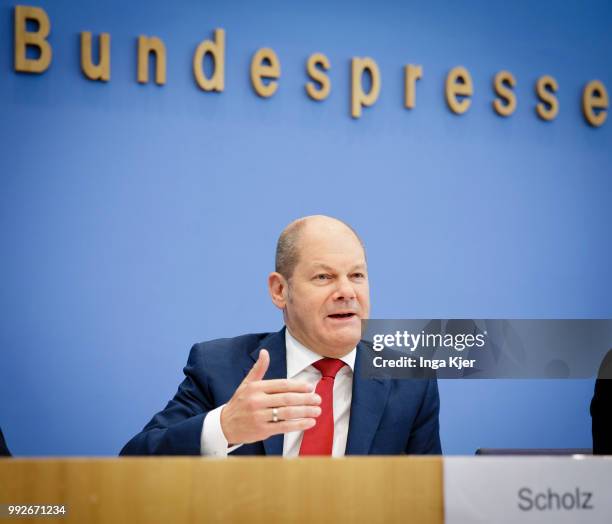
344 290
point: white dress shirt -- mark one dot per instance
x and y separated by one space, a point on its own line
299 367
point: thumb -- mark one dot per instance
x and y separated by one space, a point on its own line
260 367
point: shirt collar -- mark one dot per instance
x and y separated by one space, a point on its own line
299 357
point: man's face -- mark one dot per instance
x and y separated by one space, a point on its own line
328 293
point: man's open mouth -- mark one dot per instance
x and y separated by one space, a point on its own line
342 315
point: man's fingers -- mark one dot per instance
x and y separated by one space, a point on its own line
287 426
276 400
284 385
260 367
296 412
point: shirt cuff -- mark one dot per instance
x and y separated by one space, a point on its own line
213 442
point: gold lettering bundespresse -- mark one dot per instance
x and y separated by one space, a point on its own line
265 71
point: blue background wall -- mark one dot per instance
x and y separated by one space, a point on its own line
136 220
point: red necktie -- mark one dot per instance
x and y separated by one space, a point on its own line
319 439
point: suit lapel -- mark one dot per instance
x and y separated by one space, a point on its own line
275 344
367 406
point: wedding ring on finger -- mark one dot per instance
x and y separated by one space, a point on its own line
275 415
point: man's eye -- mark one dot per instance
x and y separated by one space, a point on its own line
323 276
358 275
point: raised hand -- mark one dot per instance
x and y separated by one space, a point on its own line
248 416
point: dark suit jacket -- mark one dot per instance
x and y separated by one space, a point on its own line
388 417
3 448
601 409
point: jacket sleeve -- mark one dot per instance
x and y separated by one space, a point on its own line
425 435
177 429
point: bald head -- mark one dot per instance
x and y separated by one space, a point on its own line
288 245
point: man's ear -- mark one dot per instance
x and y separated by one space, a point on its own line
278 288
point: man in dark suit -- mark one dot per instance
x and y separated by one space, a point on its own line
313 399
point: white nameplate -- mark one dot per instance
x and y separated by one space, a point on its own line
528 489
